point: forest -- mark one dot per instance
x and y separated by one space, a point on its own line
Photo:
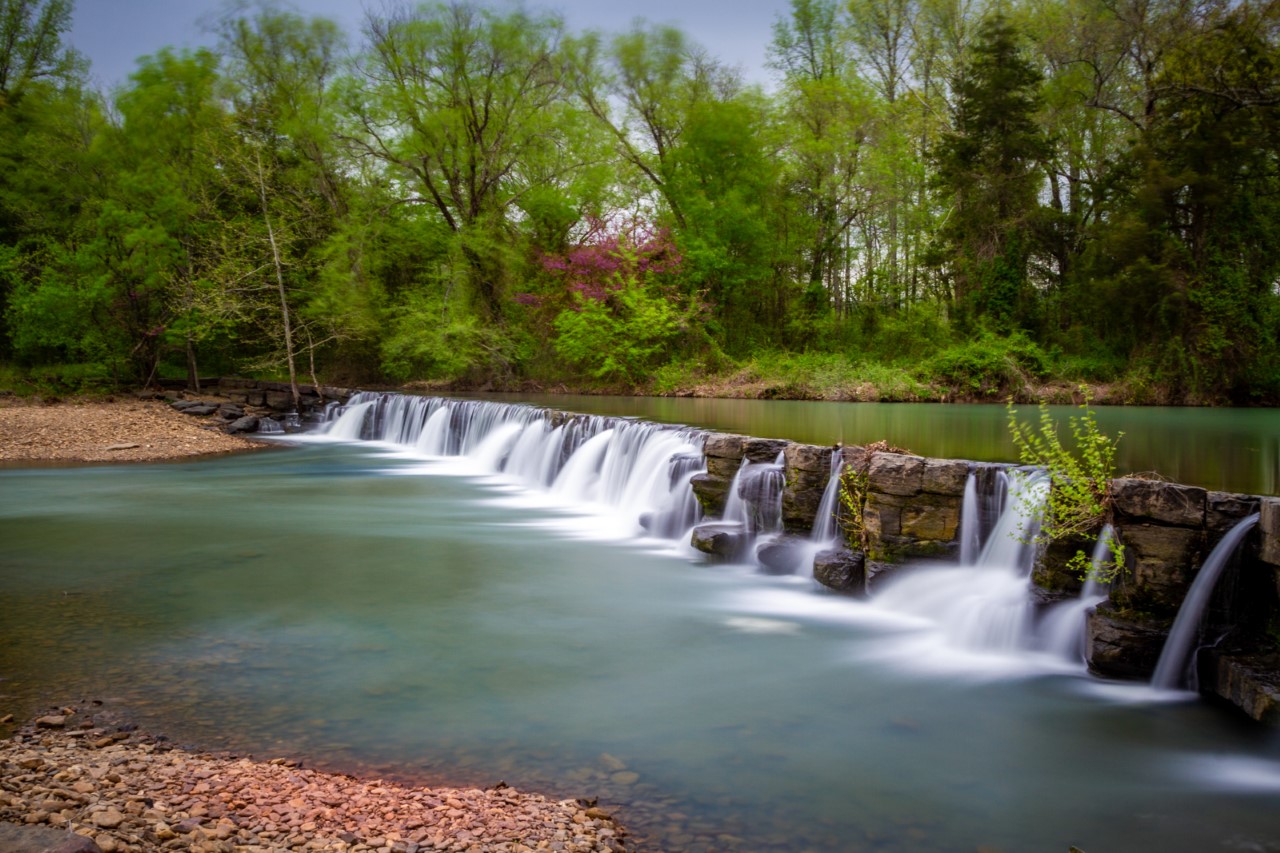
935 199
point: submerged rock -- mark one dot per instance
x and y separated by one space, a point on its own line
782 556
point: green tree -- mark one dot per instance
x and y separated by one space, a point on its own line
990 166
460 103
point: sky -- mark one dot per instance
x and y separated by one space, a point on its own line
114 33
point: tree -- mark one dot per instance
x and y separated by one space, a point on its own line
460 103
31 47
990 167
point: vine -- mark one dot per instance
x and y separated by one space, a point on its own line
1079 500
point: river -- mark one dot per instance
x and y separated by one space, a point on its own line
372 608
1234 450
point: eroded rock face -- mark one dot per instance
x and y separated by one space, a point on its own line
1154 501
1250 682
841 569
807 469
1269 528
1121 647
764 450
913 506
1160 563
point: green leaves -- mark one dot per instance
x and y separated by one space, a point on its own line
1078 503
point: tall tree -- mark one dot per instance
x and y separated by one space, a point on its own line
457 100
990 167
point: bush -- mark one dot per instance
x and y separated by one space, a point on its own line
988 366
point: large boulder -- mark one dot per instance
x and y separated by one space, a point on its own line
841 569
711 491
764 450
724 454
248 423
724 541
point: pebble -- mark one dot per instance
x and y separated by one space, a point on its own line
143 794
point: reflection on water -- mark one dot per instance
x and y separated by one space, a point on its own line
440 626
1228 449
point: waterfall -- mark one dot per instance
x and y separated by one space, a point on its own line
633 469
824 523
1174 657
986 606
970 522
1063 628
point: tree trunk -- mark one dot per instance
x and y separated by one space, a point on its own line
284 297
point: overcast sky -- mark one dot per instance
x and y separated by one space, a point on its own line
114 33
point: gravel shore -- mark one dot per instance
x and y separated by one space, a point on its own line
76 770
121 430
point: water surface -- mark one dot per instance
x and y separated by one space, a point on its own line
369 610
1228 449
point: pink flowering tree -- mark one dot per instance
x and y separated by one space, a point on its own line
618 312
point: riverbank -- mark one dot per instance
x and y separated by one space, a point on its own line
106 430
81 770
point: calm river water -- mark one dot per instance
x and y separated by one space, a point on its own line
1229 449
371 610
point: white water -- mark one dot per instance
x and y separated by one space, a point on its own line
1171 668
970 522
1062 629
640 472
824 523
617 466
984 607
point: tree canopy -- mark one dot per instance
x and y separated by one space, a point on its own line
957 192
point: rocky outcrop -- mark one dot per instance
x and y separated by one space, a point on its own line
913 506
1250 682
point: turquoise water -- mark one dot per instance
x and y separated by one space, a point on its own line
371 611
1234 450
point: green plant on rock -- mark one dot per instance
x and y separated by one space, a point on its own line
1079 500
853 502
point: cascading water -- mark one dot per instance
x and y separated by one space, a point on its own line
1173 663
1062 629
986 606
824 523
627 467
970 522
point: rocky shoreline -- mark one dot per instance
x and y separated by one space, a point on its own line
78 779
108 430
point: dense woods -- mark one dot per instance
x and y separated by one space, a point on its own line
936 198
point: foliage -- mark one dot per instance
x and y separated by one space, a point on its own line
1080 478
988 365
853 505
936 200
621 318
